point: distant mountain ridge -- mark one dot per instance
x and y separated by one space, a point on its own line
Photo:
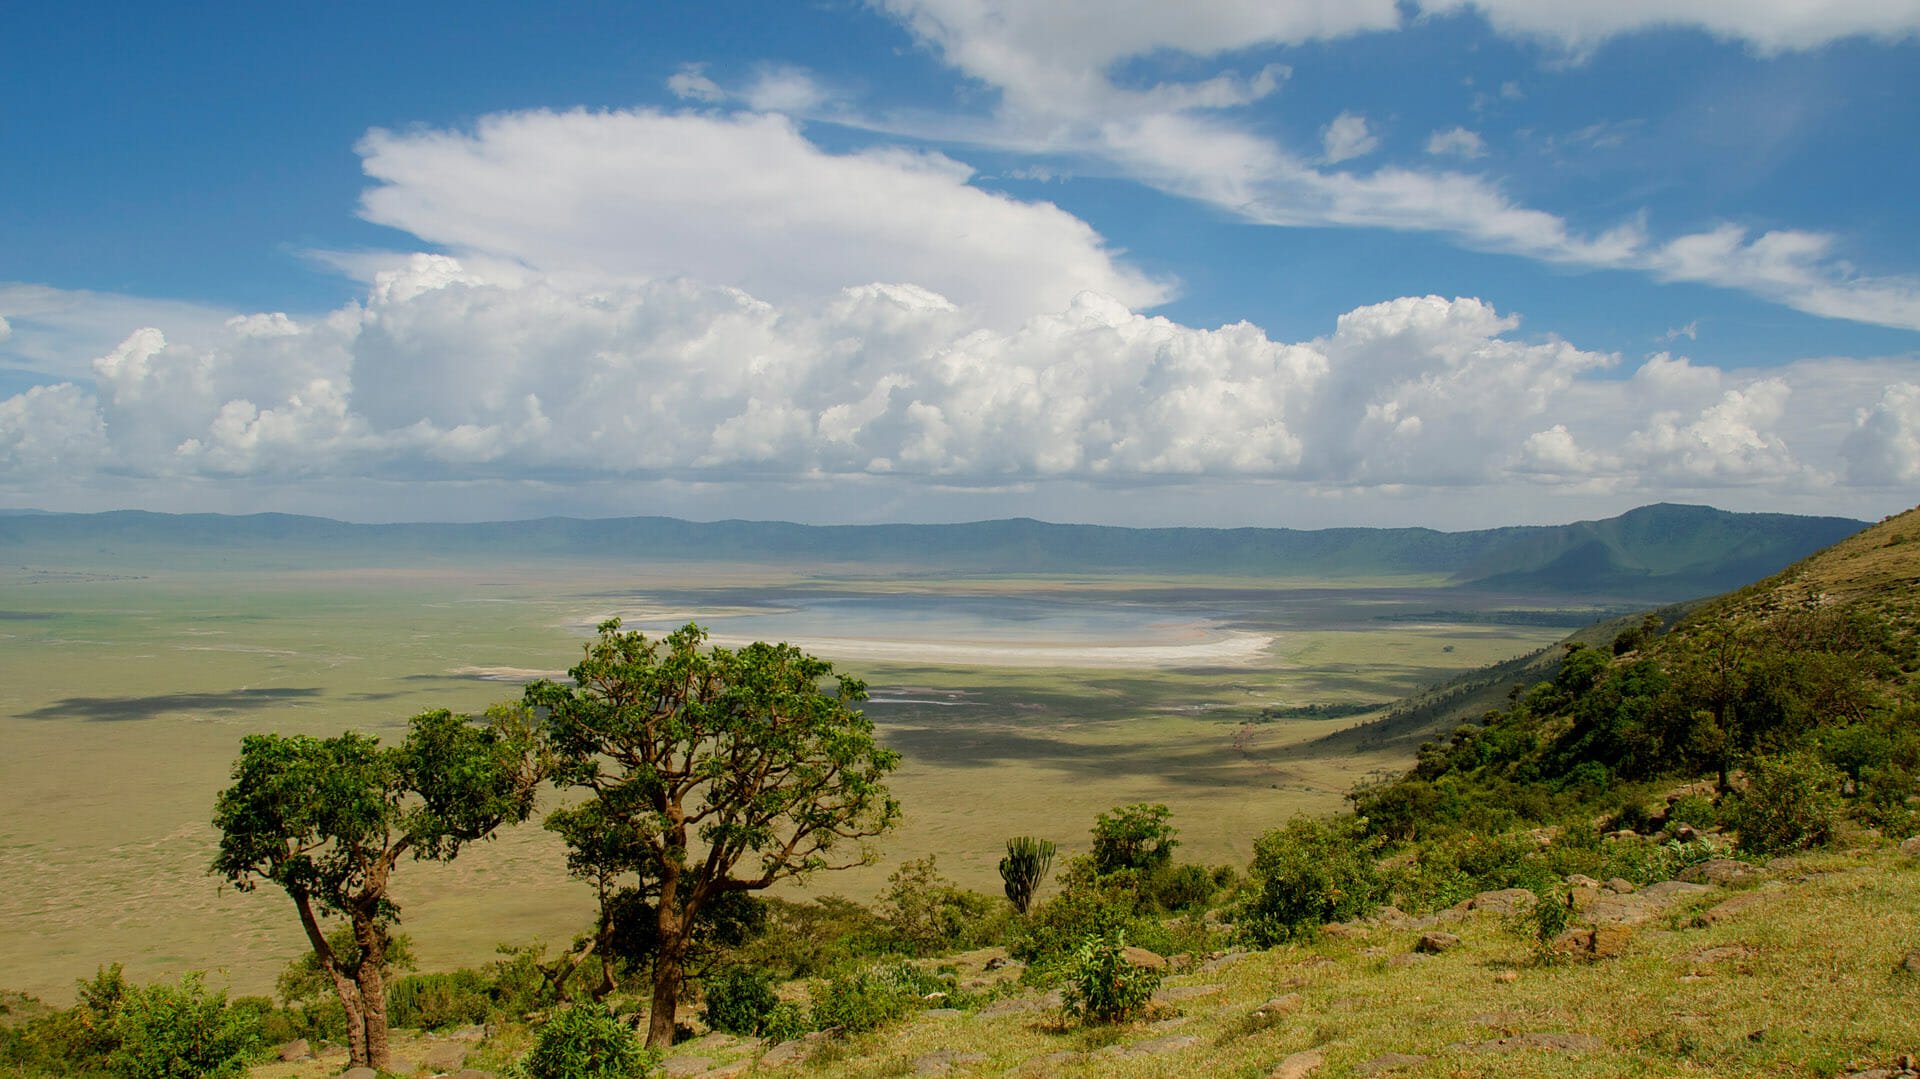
1662 551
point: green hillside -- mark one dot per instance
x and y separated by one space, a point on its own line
1815 670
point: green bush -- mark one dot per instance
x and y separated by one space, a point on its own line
739 999
1694 810
870 997
1101 986
784 1022
586 1041
927 914
1182 887
1792 802
1088 904
182 1032
1311 872
1135 837
439 1001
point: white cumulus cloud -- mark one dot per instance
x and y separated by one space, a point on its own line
1456 142
1884 447
742 200
1347 137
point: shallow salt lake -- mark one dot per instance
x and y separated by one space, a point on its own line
995 631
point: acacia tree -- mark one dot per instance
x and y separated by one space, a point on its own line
328 819
717 772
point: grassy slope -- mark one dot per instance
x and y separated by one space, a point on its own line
1801 981
1796 975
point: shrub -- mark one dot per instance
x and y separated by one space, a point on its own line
784 1022
1792 802
739 1000
1088 904
1101 986
925 913
1183 887
1310 872
1543 923
1694 810
586 1041
438 1001
870 997
167 1031
1024 867
1135 837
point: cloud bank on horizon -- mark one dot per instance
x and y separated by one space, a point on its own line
776 292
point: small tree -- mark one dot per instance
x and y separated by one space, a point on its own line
1135 837
1024 867
716 770
329 819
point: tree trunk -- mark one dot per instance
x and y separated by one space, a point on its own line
371 980
343 986
669 966
668 969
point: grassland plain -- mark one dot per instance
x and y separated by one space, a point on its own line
124 695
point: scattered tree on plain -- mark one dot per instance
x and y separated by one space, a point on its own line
717 771
329 819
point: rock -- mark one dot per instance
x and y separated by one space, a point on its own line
711 1042
1623 833
727 1071
793 1050
1435 943
1392 917
1280 1005
1221 961
1600 942
445 1058
1581 880
1673 889
1911 847
1705 789
359 1073
1299 1065
1507 977
1387 1062
1720 871
945 1061
1343 930
297 1049
1620 886
1409 959
942 1013
402 1066
1504 901
1141 957
683 1064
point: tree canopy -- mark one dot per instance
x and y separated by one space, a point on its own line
328 820
709 771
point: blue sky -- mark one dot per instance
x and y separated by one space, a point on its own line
1450 263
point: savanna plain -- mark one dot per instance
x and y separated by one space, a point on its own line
1020 705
